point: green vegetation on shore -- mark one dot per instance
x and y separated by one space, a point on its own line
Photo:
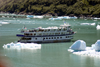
54 7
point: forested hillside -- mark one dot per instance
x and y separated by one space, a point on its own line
59 7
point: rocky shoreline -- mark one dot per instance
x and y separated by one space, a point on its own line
50 15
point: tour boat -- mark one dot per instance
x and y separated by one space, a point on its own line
63 33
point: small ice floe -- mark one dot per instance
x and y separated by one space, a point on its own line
4 22
79 48
92 24
67 17
39 17
55 18
98 27
29 16
19 45
88 24
97 18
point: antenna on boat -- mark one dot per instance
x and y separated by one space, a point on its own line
64 21
24 27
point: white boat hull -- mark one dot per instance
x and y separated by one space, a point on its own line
48 39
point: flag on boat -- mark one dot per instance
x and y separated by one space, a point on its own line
25 28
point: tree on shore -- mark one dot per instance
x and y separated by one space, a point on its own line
59 7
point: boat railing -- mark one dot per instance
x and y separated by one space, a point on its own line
45 30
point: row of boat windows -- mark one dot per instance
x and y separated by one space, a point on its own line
47 38
26 34
55 37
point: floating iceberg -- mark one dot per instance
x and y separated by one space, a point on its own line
98 27
92 24
78 45
96 46
22 46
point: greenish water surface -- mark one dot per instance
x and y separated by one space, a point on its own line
50 54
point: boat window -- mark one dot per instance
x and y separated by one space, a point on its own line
26 34
34 34
29 38
26 38
64 29
30 30
45 31
31 34
40 34
50 34
48 29
56 33
59 29
43 38
61 33
54 29
35 38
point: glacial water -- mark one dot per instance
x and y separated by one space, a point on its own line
50 54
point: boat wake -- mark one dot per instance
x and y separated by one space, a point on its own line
19 45
79 48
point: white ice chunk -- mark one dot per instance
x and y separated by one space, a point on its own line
98 27
4 22
97 45
93 51
22 46
78 45
88 24
93 46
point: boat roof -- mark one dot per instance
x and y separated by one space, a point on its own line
54 27
51 27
